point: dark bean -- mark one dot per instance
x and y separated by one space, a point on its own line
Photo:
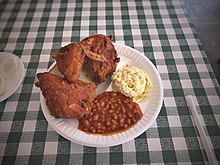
113 94
102 117
122 120
99 109
128 121
91 128
110 111
108 123
102 103
129 115
113 121
113 127
86 123
107 106
98 125
130 106
102 112
114 116
136 106
95 117
133 120
112 106
123 109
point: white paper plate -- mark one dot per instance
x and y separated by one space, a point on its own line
13 82
150 106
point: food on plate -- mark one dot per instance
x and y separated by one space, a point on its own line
2 85
96 52
67 96
65 99
101 56
132 82
70 61
112 112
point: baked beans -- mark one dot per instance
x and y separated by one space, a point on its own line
112 112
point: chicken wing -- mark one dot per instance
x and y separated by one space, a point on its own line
65 99
70 61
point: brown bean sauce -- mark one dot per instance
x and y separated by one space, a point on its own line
112 112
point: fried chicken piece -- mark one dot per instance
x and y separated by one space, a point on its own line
96 52
70 61
92 55
101 56
65 99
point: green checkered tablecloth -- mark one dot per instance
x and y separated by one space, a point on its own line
160 29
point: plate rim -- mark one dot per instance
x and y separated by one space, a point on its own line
62 133
22 74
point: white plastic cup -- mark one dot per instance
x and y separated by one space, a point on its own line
9 66
2 85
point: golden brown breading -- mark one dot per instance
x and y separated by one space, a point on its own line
70 61
96 52
101 56
65 99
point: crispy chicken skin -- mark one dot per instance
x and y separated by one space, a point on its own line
65 99
96 52
70 61
101 56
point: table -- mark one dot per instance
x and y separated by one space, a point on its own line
162 30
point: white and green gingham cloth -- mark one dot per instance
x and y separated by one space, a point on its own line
160 29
